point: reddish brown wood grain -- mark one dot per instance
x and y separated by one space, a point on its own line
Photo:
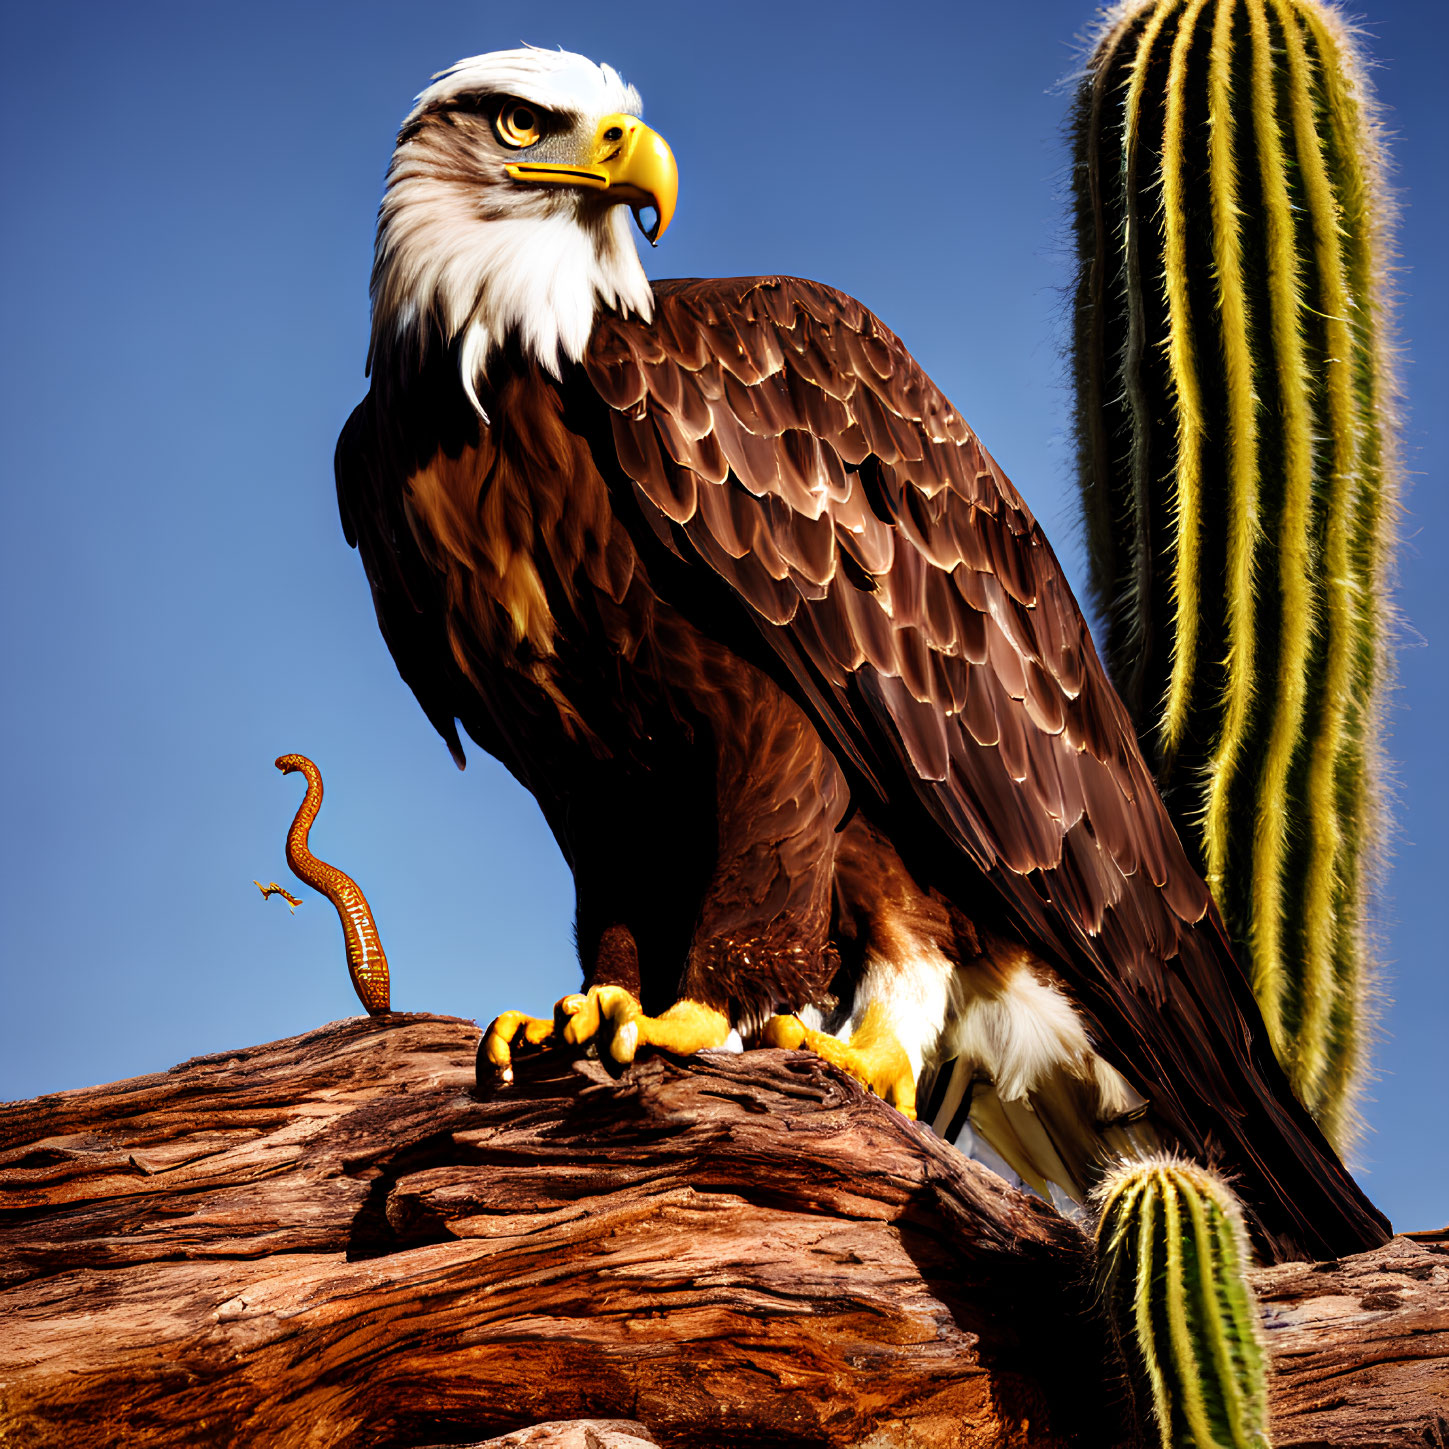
335 1240
1361 1346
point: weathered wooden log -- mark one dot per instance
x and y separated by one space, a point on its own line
1361 1346
573 1434
337 1240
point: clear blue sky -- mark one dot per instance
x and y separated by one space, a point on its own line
187 227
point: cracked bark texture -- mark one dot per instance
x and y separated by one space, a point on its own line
337 1240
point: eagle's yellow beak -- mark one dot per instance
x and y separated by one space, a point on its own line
629 161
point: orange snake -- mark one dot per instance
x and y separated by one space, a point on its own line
366 960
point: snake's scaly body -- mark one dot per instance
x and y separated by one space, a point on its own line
366 959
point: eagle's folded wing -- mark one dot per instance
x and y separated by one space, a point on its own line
779 433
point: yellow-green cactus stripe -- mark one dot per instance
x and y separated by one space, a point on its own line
1183 367
1240 421
1338 428
1270 825
1134 222
1221 1327
1356 167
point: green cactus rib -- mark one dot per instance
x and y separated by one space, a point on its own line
1240 420
1365 227
1172 1257
1235 396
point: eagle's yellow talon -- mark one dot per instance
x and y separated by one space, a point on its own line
784 1031
686 1027
503 1033
613 1017
602 1003
626 1043
536 1030
874 1055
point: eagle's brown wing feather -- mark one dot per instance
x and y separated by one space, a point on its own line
406 594
779 433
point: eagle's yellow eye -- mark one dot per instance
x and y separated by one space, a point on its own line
517 125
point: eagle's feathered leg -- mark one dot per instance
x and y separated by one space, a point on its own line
760 940
615 957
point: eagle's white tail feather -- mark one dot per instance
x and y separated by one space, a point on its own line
1041 1098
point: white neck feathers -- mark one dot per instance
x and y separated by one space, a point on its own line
464 251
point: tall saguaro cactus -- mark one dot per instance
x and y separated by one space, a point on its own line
1234 403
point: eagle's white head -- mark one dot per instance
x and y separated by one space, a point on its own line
505 210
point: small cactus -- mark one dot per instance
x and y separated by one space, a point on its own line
1172 1259
1234 414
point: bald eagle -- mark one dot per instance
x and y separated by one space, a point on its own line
719 574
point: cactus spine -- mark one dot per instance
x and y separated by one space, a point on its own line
1233 385
1172 1258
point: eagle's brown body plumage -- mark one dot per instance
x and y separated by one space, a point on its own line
792 670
